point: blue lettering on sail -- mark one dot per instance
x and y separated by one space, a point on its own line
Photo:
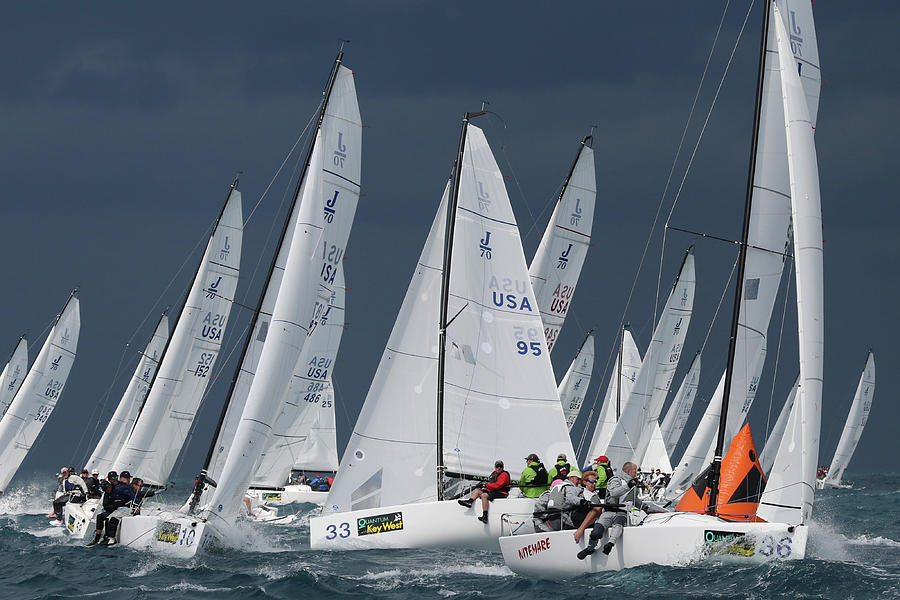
511 301
341 153
55 364
485 248
329 207
576 214
564 258
226 250
484 199
213 287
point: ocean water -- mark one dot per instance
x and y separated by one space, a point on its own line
854 552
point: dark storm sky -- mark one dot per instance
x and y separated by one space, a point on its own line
121 125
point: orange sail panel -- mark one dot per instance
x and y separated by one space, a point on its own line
741 483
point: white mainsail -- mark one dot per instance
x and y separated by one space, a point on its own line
773 442
680 410
13 374
789 492
640 415
558 261
613 402
304 436
126 413
574 385
856 421
40 392
184 372
498 380
342 108
327 209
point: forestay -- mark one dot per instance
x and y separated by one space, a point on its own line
856 421
129 406
327 210
680 410
640 414
575 383
557 264
613 401
304 436
13 374
789 492
187 365
37 397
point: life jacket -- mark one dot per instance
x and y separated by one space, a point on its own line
493 479
540 478
558 495
562 471
609 475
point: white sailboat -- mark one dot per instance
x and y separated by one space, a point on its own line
13 374
769 238
187 363
558 261
773 442
628 364
300 284
79 518
39 392
488 363
304 439
574 385
680 410
677 538
853 428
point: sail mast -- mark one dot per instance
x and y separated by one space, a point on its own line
445 298
742 260
619 374
326 94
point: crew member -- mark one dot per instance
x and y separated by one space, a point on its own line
534 480
497 486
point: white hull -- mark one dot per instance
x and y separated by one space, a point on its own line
671 539
166 532
289 494
422 525
80 520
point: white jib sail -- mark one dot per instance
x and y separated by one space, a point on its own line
560 256
498 381
767 456
640 414
613 401
39 393
317 249
342 108
856 421
680 410
13 375
126 413
390 457
789 492
656 456
575 383
175 393
304 436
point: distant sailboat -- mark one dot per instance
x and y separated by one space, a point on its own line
680 410
575 383
853 428
13 374
39 392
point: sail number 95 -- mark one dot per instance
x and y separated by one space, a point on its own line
528 340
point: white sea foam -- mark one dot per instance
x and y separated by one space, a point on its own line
396 577
878 540
28 499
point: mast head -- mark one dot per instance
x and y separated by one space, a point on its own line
589 138
237 179
340 55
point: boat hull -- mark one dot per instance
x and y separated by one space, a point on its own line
166 532
80 520
670 539
289 494
422 525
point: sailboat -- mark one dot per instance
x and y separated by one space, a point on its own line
13 374
680 410
781 528
78 519
448 401
40 391
853 428
302 275
574 384
557 263
188 359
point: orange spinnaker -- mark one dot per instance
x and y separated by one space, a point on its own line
740 484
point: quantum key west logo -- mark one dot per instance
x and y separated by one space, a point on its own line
729 542
379 523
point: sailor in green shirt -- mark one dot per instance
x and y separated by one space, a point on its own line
533 481
560 470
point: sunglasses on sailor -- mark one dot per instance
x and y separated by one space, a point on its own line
591 481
